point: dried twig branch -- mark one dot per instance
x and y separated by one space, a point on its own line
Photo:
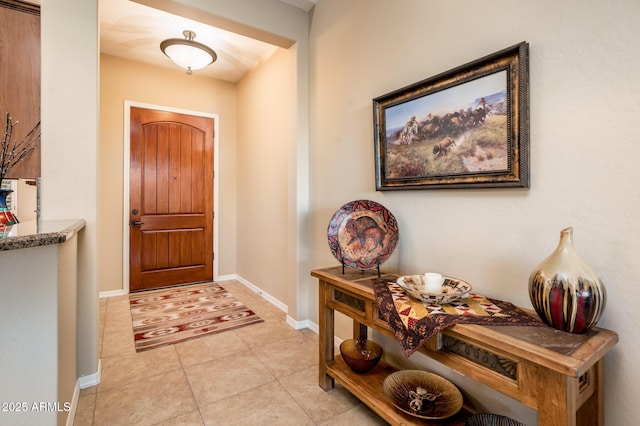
13 152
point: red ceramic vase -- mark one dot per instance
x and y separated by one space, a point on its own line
6 217
565 292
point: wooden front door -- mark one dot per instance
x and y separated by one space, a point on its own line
171 199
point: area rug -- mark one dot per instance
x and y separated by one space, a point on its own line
173 315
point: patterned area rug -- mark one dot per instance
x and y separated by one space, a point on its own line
173 315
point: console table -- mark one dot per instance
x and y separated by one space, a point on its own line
559 374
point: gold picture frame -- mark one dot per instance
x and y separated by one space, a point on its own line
464 128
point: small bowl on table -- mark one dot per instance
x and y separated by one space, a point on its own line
361 355
452 289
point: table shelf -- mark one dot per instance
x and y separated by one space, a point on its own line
367 387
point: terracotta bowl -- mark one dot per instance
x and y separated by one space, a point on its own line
360 355
422 394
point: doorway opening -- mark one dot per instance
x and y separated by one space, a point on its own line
170 196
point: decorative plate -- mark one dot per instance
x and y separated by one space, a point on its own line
487 419
422 394
362 234
452 289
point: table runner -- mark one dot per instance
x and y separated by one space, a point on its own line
414 322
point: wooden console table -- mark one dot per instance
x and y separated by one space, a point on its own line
561 375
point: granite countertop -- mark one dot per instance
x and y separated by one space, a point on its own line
33 234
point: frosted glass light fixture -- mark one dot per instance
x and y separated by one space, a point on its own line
187 53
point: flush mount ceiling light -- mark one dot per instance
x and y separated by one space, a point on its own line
187 53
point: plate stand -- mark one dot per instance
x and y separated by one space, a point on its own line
377 266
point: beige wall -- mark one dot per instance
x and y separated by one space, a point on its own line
39 358
69 101
67 322
30 368
27 200
584 147
122 80
266 99
279 23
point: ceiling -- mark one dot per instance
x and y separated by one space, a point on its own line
133 31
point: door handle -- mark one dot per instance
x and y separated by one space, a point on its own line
137 222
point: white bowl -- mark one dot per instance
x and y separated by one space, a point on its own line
452 289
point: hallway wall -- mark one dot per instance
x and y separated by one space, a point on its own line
266 130
584 145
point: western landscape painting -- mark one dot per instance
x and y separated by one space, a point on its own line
455 131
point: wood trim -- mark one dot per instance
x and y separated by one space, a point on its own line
20 76
21 6
368 387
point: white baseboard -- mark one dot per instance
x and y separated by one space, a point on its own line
299 325
112 293
274 301
226 277
91 379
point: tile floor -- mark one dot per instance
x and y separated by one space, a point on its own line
262 374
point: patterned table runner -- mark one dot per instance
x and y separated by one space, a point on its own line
414 322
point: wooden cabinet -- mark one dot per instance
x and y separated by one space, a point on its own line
561 375
20 76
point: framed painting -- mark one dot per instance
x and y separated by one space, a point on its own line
463 128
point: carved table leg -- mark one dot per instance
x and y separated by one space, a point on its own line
591 413
327 350
359 330
556 395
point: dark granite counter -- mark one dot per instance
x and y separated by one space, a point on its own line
33 234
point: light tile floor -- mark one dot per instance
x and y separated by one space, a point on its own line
262 374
